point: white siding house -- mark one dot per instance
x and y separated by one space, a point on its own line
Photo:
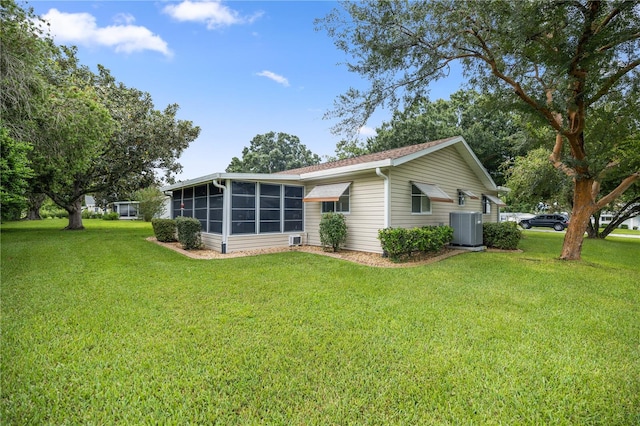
418 185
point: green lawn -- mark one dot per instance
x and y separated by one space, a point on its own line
102 327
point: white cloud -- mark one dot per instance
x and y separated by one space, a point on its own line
367 131
82 29
275 77
213 13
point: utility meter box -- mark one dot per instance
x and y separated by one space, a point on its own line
467 228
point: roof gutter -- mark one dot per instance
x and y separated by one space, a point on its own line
386 196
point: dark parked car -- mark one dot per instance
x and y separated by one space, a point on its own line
558 222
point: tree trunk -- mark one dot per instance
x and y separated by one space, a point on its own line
75 215
583 208
34 202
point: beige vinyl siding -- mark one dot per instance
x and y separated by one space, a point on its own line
445 168
212 241
259 241
365 217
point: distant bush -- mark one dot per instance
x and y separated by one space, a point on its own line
403 242
111 216
151 203
165 230
624 226
502 235
333 230
189 232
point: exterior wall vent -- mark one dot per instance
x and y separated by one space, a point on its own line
295 240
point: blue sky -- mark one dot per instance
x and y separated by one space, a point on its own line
237 69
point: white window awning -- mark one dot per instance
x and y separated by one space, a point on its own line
469 194
495 200
433 192
330 192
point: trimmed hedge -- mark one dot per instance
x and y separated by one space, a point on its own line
165 230
333 230
403 242
502 235
189 232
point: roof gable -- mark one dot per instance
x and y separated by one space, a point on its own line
396 157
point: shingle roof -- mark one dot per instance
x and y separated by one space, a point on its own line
368 158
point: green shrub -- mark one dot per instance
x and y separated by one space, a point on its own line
502 235
111 216
86 214
333 230
400 242
151 203
189 232
624 226
165 230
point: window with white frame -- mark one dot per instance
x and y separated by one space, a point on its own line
340 206
461 198
420 203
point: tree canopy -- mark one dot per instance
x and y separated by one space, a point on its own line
495 134
89 133
557 60
273 152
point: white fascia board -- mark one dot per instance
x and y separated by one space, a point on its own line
233 176
346 170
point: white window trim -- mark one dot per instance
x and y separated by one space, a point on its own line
422 194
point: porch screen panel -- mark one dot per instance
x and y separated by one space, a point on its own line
243 208
293 208
187 201
200 205
270 199
215 209
175 203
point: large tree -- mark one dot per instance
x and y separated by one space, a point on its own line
273 152
121 151
90 134
558 60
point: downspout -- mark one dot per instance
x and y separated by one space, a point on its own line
223 248
386 196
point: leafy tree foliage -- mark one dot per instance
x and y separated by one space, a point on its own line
14 175
495 134
90 134
557 60
273 152
152 202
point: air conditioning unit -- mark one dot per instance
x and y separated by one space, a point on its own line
467 228
295 240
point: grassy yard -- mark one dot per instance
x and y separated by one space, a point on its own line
102 327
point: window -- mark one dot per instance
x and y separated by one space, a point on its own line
270 208
486 205
243 208
420 203
340 206
461 198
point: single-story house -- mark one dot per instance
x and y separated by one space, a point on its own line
126 209
413 186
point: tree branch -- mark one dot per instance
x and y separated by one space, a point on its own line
624 185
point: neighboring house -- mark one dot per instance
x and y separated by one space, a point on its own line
407 187
90 205
126 209
632 223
